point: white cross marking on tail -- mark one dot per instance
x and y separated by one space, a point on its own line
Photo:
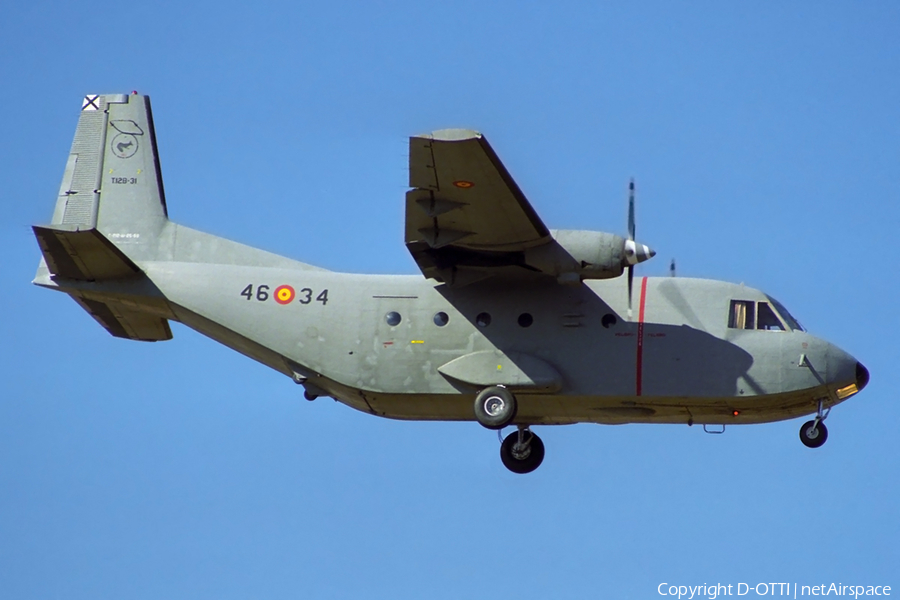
91 102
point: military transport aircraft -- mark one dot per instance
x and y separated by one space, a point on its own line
512 324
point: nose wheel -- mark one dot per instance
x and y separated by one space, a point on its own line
814 433
522 451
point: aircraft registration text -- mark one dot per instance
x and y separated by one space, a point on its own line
283 294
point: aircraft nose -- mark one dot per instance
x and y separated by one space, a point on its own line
862 376
846 373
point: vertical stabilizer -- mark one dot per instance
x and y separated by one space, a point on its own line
109 215
112 180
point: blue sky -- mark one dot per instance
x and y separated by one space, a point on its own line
765 142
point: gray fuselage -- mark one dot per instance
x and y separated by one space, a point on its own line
676 361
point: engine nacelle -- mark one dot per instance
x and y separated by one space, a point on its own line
575 255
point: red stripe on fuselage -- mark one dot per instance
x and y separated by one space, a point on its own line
640 339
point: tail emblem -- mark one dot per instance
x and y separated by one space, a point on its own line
125 144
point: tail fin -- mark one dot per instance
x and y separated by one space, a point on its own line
110 212
112 180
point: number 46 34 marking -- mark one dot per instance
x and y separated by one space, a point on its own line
283 294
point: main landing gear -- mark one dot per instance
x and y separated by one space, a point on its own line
814 433
495 408
522 451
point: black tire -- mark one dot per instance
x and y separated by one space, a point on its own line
310 396
813 435
525 464
495 407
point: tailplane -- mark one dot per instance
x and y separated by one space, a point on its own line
82 255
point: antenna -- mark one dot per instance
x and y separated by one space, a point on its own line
672 268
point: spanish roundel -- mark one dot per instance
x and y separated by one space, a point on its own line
284 294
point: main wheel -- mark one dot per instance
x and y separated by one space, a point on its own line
813 435
495 407
522 459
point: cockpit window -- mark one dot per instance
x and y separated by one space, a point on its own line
766 319
741 314
786 316
747 314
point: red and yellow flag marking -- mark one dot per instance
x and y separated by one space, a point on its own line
284 294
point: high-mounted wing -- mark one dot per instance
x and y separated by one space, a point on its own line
466 219
465 212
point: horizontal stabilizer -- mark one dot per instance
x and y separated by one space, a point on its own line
126 323
84 255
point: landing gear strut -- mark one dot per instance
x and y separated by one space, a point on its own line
814 433
522 451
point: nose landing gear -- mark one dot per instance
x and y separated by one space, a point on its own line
814 433
522 451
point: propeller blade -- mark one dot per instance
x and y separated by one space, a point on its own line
630 286
631 210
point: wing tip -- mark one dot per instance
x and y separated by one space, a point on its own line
451 135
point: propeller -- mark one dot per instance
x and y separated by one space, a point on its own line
634 252
631 209
630 239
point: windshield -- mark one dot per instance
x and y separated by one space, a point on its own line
786 316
